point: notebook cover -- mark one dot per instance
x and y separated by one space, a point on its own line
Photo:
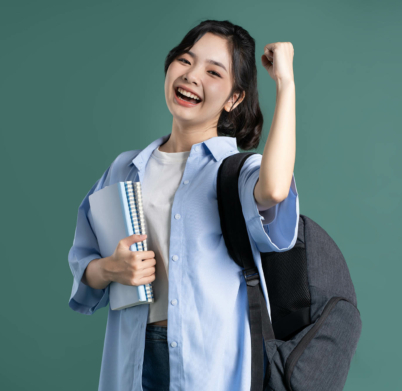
110 217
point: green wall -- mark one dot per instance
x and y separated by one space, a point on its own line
82 81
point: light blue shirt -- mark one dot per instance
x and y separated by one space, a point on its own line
208 322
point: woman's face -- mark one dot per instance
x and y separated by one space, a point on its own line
211 82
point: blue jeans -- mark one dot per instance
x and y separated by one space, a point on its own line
155 372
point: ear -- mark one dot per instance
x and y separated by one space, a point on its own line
228 106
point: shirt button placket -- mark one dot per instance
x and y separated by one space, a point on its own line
175 272
174 343
177 245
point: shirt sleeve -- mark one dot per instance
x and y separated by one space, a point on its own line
84 299
280 228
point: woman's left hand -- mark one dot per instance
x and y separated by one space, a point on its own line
278 61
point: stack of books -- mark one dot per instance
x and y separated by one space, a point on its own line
117 212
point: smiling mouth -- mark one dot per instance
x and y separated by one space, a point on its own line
186 98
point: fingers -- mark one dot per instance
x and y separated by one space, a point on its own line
143 255
147 263
129 240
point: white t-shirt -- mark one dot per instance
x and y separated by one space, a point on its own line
162 177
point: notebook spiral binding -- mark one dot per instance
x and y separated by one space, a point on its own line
134 197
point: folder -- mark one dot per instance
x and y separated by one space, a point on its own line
117 212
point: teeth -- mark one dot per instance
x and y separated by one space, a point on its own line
189 94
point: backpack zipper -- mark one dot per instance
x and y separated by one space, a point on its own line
299 349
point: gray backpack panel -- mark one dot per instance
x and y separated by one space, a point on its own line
318 356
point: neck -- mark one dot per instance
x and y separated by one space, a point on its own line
182 142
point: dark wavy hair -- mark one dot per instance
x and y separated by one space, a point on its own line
246 120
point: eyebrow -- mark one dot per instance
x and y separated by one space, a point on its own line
219 64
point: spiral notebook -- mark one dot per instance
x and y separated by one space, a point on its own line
116 211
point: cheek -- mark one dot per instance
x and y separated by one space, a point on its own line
167 83
216 95
171 75
173 71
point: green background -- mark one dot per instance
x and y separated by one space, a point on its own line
83 81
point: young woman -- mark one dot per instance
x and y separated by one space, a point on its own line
211 91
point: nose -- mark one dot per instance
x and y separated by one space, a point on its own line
191 77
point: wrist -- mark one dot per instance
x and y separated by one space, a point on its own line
104 266
284 84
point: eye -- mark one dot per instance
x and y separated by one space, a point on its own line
217 74
183 59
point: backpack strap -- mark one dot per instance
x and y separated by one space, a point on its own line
236 238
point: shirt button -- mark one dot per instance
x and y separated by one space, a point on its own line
174 302
139 366
173 344
186 181
177 216
175 257
197 148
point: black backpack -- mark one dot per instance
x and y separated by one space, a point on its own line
315 324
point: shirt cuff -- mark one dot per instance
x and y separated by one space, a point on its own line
83 298
280 233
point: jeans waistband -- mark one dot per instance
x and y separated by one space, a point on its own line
156 330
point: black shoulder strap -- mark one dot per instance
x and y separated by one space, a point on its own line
236 238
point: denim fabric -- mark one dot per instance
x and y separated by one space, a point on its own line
155 373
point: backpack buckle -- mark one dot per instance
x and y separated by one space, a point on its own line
252 276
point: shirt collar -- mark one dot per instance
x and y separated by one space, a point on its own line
219 147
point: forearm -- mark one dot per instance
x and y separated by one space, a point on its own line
278 159
96 275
